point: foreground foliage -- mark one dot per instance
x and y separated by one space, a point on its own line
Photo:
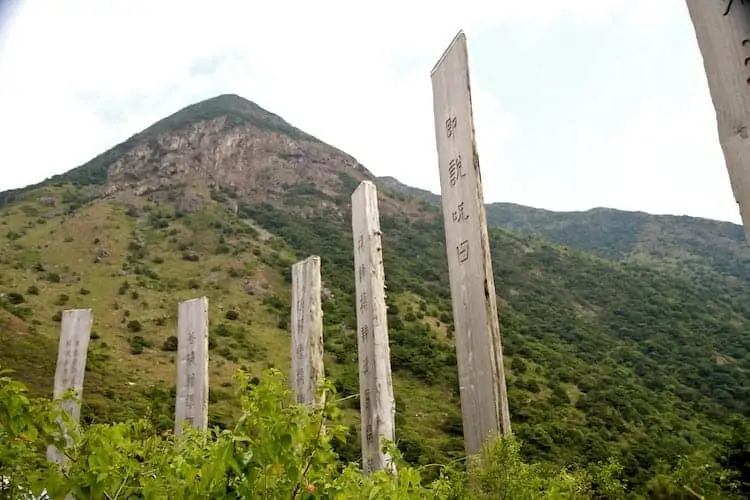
277 449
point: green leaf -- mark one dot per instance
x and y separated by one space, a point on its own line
286 440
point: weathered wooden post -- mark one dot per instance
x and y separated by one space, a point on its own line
191 404
377 405
484 399
75 331
307 330
723 33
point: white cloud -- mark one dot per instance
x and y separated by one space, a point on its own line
76 77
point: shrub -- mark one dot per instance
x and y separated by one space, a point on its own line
232 315
518 365
227 354
223 330
138 344
33 290
190 256
16 298
170 344
135 326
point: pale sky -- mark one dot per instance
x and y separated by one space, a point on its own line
578 103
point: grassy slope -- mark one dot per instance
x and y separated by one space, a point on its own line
703 250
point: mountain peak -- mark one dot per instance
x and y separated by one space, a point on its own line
227 142
235 109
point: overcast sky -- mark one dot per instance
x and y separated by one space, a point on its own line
578 103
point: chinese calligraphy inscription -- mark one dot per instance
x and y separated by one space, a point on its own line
450 126
377 405
723 34
307 330
477 331
191 405
458 214
75 331
730 3
463 251
456 169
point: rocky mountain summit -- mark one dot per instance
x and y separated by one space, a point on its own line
226 144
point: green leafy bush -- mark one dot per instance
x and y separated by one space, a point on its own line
53 277
170 344
16 298
138 344
276 449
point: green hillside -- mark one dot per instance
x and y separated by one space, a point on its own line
701 249
609 354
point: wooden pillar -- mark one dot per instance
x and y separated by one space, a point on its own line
484 399
75 331
191 404
377 405
722 29
307 331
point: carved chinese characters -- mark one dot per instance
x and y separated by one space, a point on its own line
75 330
307 330
722 29
191 405
478 340
377 405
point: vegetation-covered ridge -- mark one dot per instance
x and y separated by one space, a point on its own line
695 248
